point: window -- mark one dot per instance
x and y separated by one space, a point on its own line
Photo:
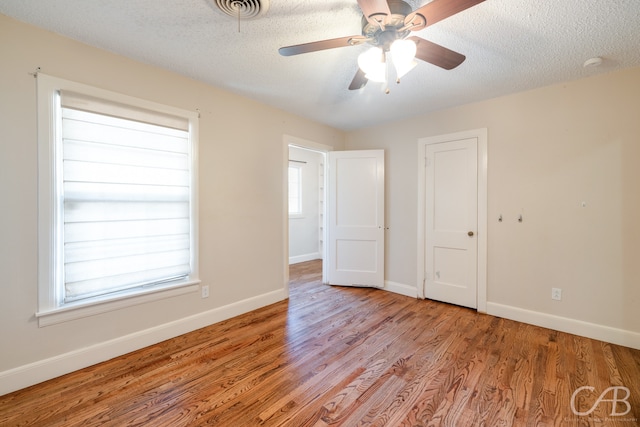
295 190
117 200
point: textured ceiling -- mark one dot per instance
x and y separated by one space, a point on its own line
510 45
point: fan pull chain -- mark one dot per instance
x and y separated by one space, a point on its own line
387 74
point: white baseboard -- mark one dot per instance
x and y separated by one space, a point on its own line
303 258
42 370
401 288
565 324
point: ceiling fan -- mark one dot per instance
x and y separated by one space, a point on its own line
386 25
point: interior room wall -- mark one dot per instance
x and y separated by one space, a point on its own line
565 158
241 202
304 230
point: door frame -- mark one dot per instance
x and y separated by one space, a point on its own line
289 140
481 137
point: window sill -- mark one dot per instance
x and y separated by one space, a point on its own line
91 308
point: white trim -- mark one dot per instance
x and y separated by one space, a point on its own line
305 257
483 227
401 288
481 137
285 213
101 305
42 370
305 143
565 324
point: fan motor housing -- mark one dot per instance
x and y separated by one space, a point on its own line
384 35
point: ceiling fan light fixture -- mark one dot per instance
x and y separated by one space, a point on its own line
372 62
403 53
403 69
390 22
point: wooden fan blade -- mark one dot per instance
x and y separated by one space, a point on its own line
376 11
359 80
321 45
437 10
436 54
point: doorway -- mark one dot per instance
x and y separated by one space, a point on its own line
315 235
305 204
452 218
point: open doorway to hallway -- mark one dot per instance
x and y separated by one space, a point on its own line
306 178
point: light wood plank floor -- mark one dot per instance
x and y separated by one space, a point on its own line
350 357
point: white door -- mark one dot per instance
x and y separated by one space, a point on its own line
451 222
355 218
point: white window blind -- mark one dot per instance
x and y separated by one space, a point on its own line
125 196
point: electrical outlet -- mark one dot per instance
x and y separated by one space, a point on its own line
205 291
556 294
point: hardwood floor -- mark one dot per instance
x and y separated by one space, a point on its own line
350 357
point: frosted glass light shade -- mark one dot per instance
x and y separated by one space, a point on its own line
403 53
372 62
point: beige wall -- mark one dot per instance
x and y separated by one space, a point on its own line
549 150
242 168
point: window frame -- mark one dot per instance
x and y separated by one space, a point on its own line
50 308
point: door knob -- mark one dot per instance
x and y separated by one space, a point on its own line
470 234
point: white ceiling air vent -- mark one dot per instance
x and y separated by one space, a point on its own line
242 9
